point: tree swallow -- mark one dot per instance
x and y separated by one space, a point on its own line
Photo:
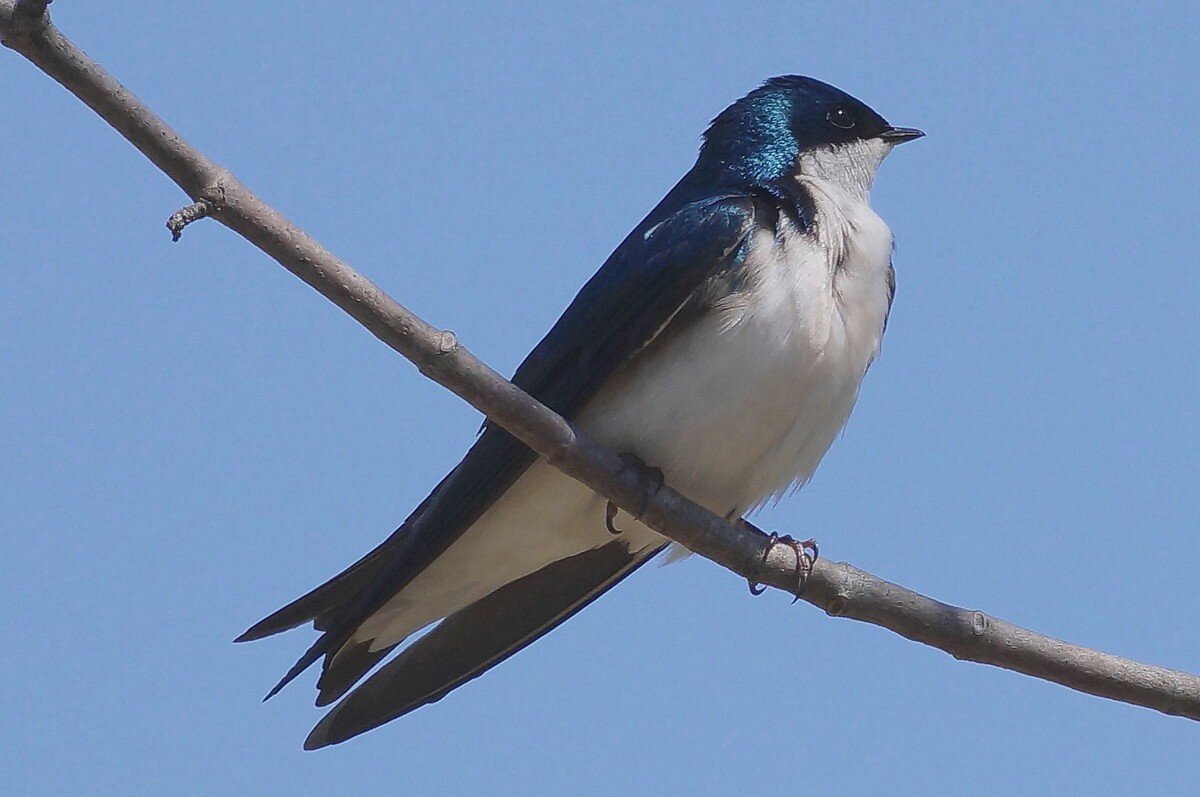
723 342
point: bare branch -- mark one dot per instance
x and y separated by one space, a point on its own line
838 588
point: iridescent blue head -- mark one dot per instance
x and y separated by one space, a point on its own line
761 136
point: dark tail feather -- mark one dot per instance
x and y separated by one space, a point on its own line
322 601
470 642
303 663
343 670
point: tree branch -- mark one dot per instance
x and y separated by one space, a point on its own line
839 589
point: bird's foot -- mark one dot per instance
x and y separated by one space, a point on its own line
806 556
652 477
610 514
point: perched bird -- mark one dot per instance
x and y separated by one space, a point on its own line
723 343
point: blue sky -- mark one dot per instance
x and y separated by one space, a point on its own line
192 437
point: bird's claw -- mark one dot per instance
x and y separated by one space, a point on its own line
806 556
654 479
610 514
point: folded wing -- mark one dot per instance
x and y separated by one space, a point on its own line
661 266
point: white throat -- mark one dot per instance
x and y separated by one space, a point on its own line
846 169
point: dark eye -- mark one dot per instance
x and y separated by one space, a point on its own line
841 116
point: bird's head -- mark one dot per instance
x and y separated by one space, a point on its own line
792 120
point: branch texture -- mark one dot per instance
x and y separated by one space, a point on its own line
839 589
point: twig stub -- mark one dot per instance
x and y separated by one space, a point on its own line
181 218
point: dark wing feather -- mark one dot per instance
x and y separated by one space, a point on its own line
320 603
316 604
472 641
621 309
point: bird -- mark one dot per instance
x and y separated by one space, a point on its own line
721 346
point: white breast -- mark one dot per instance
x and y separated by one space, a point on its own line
746 402
734 409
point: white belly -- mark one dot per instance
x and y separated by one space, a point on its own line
735 409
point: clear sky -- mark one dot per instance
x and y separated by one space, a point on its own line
191 437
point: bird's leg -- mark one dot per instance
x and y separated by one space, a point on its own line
806 556
652 477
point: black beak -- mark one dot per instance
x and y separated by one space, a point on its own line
898 135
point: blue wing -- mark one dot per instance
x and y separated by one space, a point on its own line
642 286
654 272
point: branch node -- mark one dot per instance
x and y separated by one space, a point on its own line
31 11
447 342
29 19
564 447
979 623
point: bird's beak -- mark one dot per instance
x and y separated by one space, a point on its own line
898 135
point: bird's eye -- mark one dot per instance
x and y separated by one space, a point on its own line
841 116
